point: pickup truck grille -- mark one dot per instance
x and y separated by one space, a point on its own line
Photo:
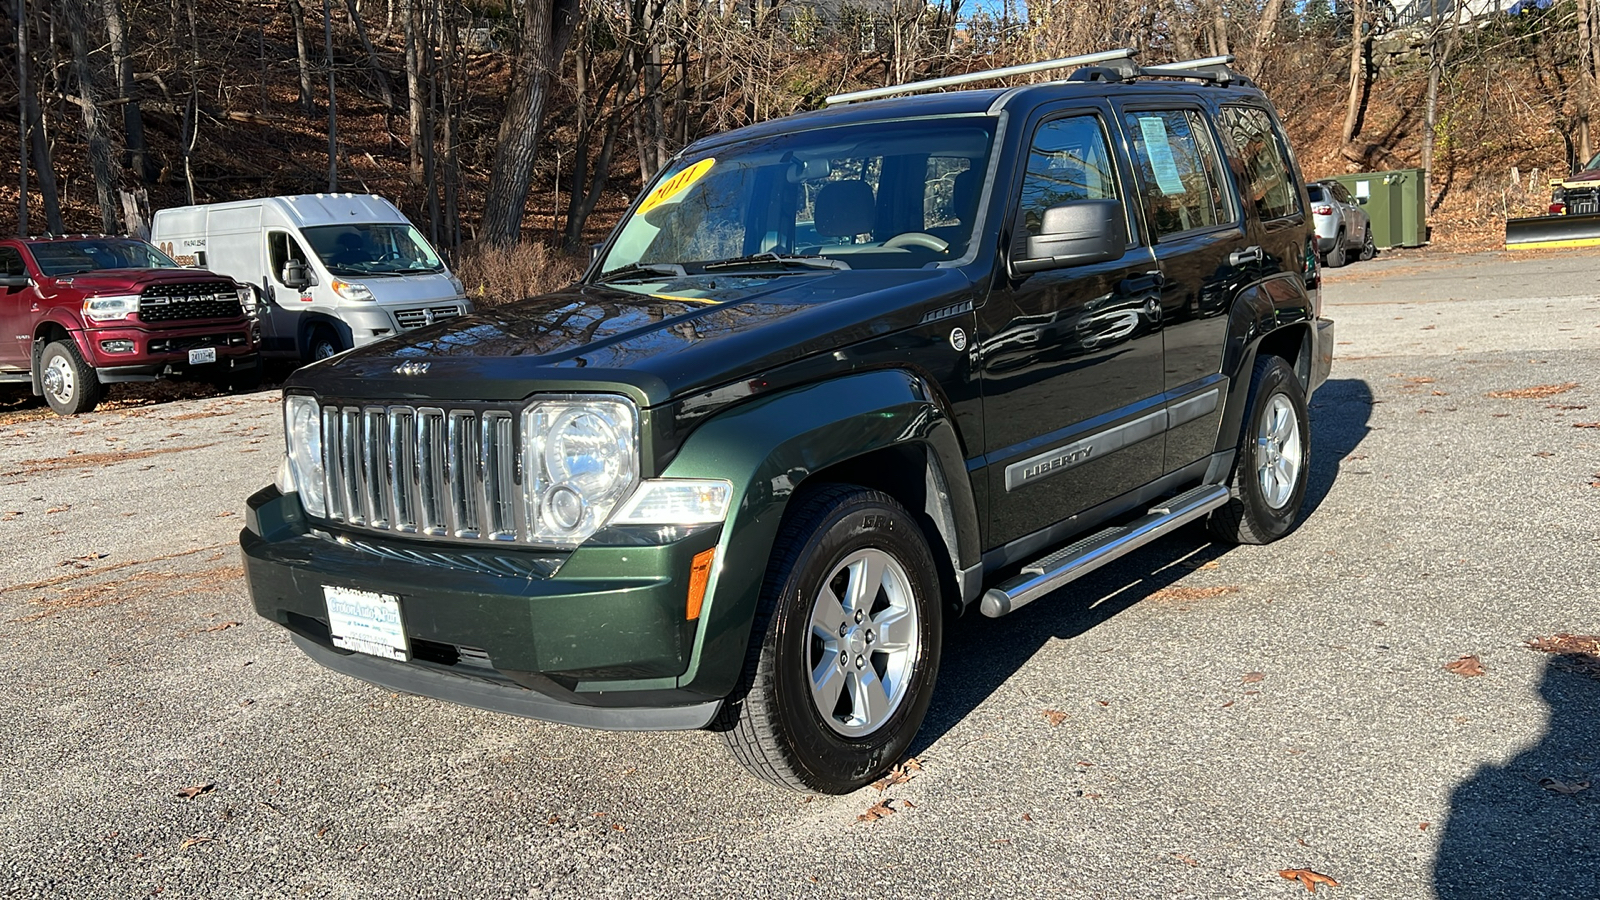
183 302
449 473
1583 201
425 315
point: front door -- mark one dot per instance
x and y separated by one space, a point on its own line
1206 259
16 313
1071 357
280 325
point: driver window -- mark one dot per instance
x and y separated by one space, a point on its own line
11 262
281 250
1070 160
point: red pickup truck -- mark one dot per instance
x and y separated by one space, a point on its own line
78 313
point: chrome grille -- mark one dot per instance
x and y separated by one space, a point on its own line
1583 202
424 471
425 315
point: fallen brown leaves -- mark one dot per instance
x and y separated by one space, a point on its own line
1253 677
1557 786
1537 392
1575 652
1182 594
95 460
221 626
1466 667
883 809
1308 878
1586 424
195 841
189 793
900 774
1054 716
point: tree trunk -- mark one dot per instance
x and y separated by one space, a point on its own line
1588 69
94 129
409 21
43 166
302 51
333 101
1220 23
136 158
1358 71
21 8
1265 32
546 29
189 135
378 73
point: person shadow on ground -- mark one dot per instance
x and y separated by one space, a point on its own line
1512 834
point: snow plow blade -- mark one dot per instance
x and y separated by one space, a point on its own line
1551 232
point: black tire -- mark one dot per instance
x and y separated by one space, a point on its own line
1339 255
1251 516
772 721
1369 247
70 385
322 343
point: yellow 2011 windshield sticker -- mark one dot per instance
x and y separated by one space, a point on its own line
675 185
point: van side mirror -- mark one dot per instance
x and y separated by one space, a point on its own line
296 275
1076 234
14 281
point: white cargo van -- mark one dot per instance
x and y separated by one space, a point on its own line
333 271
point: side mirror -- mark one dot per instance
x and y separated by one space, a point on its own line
15 281
296 275
1076 234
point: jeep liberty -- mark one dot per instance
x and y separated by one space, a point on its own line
834 379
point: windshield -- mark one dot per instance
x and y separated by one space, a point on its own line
1594 163
374 249
881 195
88 254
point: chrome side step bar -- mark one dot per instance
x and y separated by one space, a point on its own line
1076 560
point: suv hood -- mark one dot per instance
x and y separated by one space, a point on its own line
684 335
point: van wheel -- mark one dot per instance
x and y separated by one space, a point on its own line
1273 465
323 343
70 385
845 647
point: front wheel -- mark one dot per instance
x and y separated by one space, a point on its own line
323 343
70 385
845 647
1271 470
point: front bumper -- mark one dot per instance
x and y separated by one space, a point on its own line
160 353
601 643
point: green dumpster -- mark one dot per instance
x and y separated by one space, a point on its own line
1395 201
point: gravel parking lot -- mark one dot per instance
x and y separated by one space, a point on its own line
1187 723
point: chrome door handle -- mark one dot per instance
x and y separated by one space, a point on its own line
1247 255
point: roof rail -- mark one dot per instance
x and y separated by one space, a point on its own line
914 87
1207 68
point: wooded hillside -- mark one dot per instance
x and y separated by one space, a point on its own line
493 122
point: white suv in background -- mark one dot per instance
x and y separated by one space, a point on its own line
1343 228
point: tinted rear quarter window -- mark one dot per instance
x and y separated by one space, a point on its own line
1259 161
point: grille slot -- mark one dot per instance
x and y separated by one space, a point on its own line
424 471
184 302
420 316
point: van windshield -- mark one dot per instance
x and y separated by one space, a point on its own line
74 256
373 249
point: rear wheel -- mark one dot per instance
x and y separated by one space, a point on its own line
1337 256
845 647
1369 247
1271 470
70 385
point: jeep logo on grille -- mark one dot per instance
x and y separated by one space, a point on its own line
412 368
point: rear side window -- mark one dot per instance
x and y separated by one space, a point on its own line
1069 160
1179 170
1259 159
11 262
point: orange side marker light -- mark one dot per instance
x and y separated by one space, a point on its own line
699 577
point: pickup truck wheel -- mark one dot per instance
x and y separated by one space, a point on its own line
1340 254
845 647
1369 247
70 385
1270 473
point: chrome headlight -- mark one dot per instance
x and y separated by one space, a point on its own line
110 309
247 299
302 429
580 457
350 290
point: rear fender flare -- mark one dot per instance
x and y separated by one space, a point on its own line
769 449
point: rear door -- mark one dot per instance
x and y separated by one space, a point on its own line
1071 357
1207 256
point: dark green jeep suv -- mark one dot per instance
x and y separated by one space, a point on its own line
834 380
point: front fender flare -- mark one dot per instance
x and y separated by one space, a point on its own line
768 449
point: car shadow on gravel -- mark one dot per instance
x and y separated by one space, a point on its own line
980 654
1531 828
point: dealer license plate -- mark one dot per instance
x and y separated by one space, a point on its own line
365 622
202 355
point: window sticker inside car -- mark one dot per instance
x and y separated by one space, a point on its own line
1159 150
677 184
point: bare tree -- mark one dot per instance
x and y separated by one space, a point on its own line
21 8
547 26
94 129
302 51
1358 71
411 23
379 74
136 158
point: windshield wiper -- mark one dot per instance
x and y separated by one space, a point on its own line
633 270
773 257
